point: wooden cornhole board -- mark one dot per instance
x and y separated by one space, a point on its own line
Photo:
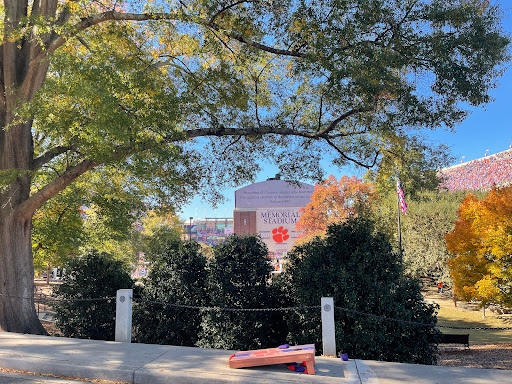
293 354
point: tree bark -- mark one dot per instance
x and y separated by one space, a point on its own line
17 310
21 75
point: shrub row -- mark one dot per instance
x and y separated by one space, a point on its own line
352 263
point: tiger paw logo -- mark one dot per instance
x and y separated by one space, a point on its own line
280 234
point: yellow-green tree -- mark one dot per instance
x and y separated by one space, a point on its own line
93 214
157 231
482 244
58 230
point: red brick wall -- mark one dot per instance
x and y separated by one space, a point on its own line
244 222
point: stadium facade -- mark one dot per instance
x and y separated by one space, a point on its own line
479 174
270 209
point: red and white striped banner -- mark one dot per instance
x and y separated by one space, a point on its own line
400 192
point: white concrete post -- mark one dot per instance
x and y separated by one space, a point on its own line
328 329
124 315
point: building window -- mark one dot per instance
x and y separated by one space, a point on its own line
245 221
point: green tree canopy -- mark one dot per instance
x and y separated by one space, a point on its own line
177 275
430 216
239 277
186 97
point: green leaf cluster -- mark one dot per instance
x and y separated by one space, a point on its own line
96 212
127 92
430 216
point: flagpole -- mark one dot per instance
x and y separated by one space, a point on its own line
398 213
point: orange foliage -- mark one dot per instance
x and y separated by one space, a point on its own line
482 241
332 202
466 270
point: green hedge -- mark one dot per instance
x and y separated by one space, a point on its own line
358 268
94 275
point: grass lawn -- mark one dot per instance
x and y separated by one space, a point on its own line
449 315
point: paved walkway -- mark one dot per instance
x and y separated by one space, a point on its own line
158 364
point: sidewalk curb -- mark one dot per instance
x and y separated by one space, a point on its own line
35 365
61 368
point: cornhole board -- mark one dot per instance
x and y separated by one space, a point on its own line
292 354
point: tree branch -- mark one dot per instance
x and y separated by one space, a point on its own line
230 144
99 18
346 115
229 6
342 154
221 131
48 191
48 156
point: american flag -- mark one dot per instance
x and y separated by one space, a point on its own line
400 193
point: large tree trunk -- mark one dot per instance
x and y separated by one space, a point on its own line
22 72
17 311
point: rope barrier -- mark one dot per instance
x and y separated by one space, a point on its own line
409 322
227 309
284 309
55 300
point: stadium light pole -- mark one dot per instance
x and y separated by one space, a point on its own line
190 229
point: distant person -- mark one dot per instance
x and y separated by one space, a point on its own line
440 287
454 298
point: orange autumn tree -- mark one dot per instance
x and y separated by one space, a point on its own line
482 244
332 202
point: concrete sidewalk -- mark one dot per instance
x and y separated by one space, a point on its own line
155 364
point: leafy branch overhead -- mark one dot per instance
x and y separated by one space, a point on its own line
128 82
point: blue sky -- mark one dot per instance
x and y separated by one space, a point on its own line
486 128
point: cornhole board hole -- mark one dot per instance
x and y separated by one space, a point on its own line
292 354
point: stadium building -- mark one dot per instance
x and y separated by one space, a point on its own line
479 174
209 230
271 209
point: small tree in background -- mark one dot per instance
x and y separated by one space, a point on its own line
482 244
177 275
358 268
158 230
239 277
332 202
58 231
430 216
93 276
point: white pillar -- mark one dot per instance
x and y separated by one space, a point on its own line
328 329
124 315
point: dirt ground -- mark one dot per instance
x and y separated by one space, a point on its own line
497 356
